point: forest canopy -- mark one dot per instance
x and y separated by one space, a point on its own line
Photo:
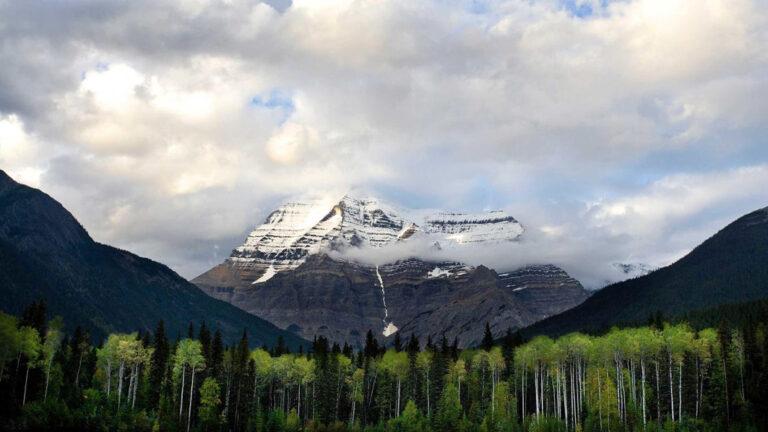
658 377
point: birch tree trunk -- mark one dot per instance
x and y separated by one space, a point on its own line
109 375
680 391
191 397
181 398
642 380
26 380
671 389
428 411
136 385
79 365
120 376
398 397
47 378
599 399
658 393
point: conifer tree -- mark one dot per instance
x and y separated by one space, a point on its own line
159 363
487 342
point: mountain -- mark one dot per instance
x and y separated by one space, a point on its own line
297 230
293 271
342 300
731 266
45 253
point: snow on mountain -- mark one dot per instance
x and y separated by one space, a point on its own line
474 228
623 271
633 270
298 229
290 233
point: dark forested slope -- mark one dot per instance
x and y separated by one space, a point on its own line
731 266
45 253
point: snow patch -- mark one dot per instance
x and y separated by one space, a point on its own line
266 276
390 330
438 272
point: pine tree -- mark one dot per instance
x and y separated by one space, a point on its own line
204 336
487 343
371 348
448 410
158 364
217 354
35 316
724 338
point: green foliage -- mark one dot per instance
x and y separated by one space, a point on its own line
410 421
449 410
662 377
275 422
209 405
293 422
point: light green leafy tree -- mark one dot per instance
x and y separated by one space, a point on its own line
9 340
209 405
355 382
424 364
29 347
52 339
303 371
396 364
189 354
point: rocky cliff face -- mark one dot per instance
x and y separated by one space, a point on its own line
543 290
343 300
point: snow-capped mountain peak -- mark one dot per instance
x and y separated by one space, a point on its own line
298 229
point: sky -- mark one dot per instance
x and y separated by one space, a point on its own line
614 131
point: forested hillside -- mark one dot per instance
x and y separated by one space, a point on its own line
731 266
667 377
45 253
742 313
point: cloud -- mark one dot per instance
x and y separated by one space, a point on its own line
171 128
291 143
19 151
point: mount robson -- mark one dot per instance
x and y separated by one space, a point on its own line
294 271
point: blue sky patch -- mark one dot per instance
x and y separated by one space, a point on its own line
275 100
580 10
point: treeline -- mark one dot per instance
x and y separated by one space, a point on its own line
659 377
739 314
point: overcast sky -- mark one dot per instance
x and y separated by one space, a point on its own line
624 131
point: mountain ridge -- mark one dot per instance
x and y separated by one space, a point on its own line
730 266
46 253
